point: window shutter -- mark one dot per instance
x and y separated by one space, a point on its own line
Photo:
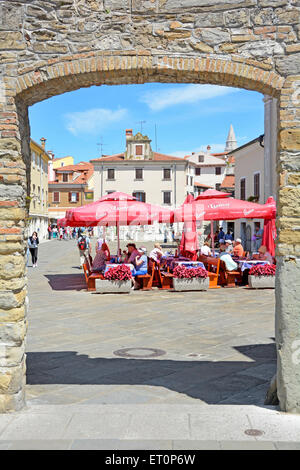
70 196
77 197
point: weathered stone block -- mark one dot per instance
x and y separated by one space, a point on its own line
12 379
190 284
261 282
12 402
287 295
13 333
11 356
13 314
104 286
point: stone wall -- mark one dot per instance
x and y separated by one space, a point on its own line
52 46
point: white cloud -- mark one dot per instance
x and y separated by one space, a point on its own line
162 99
215 148
92 121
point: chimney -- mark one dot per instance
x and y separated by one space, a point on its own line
128 133
208 148
43 142
51 154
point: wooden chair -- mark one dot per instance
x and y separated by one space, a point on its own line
229 278
90 278
213 268
145 280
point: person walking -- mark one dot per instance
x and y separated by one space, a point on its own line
33 243
84 246
49 232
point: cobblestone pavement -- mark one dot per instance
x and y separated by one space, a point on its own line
218 346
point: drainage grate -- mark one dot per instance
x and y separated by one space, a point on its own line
144 352
254 432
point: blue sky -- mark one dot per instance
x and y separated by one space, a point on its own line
187 118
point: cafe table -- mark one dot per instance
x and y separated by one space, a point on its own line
188 264
247 264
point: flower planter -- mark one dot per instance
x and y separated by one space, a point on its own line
261 282
195 283
104 286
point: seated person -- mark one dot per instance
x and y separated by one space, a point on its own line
102 256
229 263
131 254
238 249
156 253
141 264
264 254
228 245
205 249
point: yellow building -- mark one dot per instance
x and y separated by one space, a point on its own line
38 210
64 161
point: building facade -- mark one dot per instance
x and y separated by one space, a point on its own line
38 209
249 186
72 187
209 169
147 175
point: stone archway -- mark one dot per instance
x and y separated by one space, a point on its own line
48 48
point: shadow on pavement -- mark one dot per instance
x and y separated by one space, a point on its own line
66 281
230 382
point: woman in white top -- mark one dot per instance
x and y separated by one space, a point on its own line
156 253
205 249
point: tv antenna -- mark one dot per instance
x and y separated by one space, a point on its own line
141 123
100 145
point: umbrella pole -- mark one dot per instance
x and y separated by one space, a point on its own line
212 236
118 235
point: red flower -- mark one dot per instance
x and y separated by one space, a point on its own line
263 270
118 273
182 272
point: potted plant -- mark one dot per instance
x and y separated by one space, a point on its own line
116 279
262 276
190 278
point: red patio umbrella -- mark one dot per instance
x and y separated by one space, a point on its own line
117 209
189 244
224 208
269 234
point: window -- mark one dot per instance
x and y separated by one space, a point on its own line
140 195
56 196
138 173
33 188
198 171
89 195
218 170
139 150
166 173
111 174
65 177
256 185
243 189
191 180
73 197
200 158
187 180
167 197
218 185
33 159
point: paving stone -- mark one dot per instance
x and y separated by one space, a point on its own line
47 444
245 445
70 346
116 444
